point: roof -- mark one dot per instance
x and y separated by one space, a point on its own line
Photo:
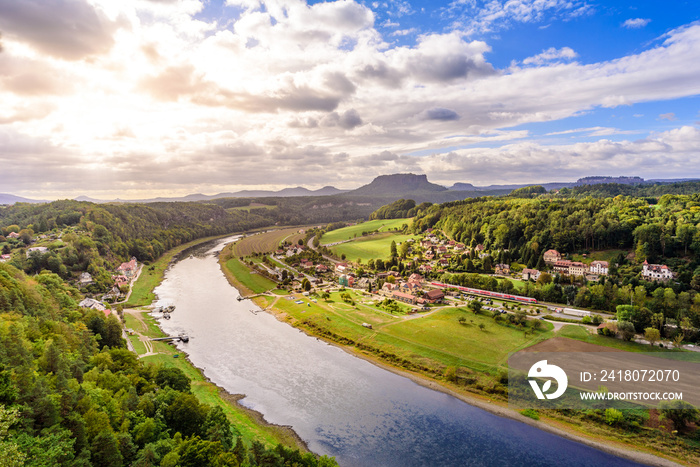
434 294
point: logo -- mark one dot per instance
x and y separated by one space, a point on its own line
542 369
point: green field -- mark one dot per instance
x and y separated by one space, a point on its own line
372 247
436 340
255 283
354 231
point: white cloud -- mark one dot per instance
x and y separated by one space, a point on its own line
551 55
170 103
636 23
668 116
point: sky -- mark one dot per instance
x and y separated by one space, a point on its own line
145 98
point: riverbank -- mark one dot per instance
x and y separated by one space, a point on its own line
250 424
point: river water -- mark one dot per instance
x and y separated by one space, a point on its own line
339 404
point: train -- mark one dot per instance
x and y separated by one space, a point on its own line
485 293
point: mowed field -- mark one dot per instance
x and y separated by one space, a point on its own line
371 247
266 242
353 231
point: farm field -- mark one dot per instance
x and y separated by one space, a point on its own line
265 242
353 231
372 247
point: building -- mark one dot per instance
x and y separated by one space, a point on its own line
656 272
577 268
13 235
599 267
321 268
502 269
4 258
128 269
85 279
37 250
528 274
562 266
346 280
551 256
404 297
434 296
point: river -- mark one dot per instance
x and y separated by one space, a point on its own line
339 404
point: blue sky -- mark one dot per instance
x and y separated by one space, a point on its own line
142 98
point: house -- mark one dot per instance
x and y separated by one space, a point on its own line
502 269
562 266
404 297
459 247
551 256
128 269
528 274
388 287
434 295
346 280
480 247
416 279
577 268
321 268
656 272
599 267
4 258
341 267
95 305
85 279
306 264
120 280
37 250
13 235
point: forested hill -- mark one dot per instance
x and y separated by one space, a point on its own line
71 394
655 190
665 231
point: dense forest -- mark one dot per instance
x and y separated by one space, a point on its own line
72 394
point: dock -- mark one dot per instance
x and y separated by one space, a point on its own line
181 338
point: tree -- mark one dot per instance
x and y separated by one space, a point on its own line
626 330
174 378
475 306
652 335
679 412
392 250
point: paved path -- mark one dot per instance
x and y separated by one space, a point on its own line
144 327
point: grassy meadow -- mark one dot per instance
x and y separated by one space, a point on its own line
355 231
372 247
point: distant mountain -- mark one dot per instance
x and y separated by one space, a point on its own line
284 193
398 184
621 180
12 199
463 187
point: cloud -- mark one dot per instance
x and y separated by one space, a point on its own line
494 15
636 23
68 29
347 120
440 114
668 116
551 55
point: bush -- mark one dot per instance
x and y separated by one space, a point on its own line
613 416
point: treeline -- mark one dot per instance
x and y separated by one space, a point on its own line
651 191
400 209
72 394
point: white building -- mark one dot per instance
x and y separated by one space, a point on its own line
599 267
656 272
